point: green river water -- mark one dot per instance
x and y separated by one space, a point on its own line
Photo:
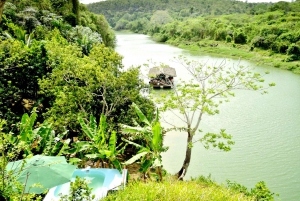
265 128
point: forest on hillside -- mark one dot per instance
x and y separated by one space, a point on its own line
272 27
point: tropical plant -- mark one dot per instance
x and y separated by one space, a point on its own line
100 145
41 140
150 137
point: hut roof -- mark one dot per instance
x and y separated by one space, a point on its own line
167 71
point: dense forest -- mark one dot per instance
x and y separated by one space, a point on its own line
59 74
44 48
271 27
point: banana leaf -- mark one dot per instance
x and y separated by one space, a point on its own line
133 143
26 126
112 142
130 129
93 124
86 129
145 166
135 158
141 115
102 129
157 137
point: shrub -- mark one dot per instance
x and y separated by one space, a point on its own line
228 39
294 52
240 38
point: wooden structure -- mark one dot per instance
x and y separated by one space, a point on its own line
162 77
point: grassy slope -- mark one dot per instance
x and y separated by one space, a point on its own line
171 190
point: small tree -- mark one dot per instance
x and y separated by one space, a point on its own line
210 87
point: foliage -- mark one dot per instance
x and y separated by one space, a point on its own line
93 84
20 64
151 146
26 29
101 144
161 17
79 190
84 37
259 192
39 140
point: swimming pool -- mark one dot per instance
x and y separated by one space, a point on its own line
100 179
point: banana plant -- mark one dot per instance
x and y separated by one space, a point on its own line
100 145
149 153
40 140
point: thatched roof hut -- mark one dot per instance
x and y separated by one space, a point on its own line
153 72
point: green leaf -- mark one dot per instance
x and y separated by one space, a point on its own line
157 137
93 124
133 143
135 158
141 115
102 129
146 165
86 129
130 129
82 146
112 142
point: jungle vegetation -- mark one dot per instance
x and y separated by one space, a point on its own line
269 29
64 91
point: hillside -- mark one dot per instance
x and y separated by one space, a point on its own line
270 30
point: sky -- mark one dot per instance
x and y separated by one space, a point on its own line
249 1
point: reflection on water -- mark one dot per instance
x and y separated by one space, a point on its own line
265 128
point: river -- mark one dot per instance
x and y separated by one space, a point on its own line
265 128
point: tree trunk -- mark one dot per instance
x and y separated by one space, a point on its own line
187 159
2 3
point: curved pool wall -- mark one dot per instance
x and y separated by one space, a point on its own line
101 180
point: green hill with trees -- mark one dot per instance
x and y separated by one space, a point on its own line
268 29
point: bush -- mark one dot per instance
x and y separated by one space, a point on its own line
240 38
228 39
294 52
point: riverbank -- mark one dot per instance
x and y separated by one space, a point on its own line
237 51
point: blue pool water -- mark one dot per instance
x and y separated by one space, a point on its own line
94 177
